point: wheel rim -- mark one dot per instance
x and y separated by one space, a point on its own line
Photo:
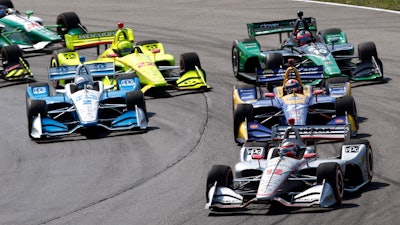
235 62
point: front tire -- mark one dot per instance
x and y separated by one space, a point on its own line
34 108
134 98
332 174
221 174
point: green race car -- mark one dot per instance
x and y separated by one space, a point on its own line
327 48
29 33
147 59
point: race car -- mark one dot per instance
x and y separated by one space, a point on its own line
86 105
256 110
147 59
14 66
328 48
29 33
290 173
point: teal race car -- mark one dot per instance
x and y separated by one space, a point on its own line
29 33
148 59
308 47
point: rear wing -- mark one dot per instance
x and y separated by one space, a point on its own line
93 39
313 132
69 72
279 26
307 73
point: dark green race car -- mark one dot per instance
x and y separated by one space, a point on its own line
28 31
327 48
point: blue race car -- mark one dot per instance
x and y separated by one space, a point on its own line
86 104
330 109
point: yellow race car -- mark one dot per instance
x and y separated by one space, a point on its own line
148 59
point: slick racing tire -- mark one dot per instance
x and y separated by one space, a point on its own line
235 60
347 104
366 51
66 22
356 175
34 108
332 174
189 61
10 55
135 98
273 60
7 3
242 112
221 174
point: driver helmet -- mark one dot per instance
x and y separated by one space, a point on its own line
303 37
3 11
292 86
289 149
81 82
124 47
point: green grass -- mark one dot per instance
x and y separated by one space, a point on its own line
383 4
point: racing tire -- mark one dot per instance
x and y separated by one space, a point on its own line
68 21
135 98
323 33
10 55
221 174
235 61
347 104
35 107
189 61
7 3
332 174
366 51
147 42
54 63
242 112
369 157
274 60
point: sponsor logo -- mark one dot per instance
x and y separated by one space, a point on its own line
30 26
254 126
39 90
96 35
352 149
127 82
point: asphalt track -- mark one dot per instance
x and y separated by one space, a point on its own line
159 177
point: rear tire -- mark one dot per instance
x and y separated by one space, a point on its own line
235 61
242 112
7 3
332 174
273 60
347 104
68 21
10 55
369 155
221 174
